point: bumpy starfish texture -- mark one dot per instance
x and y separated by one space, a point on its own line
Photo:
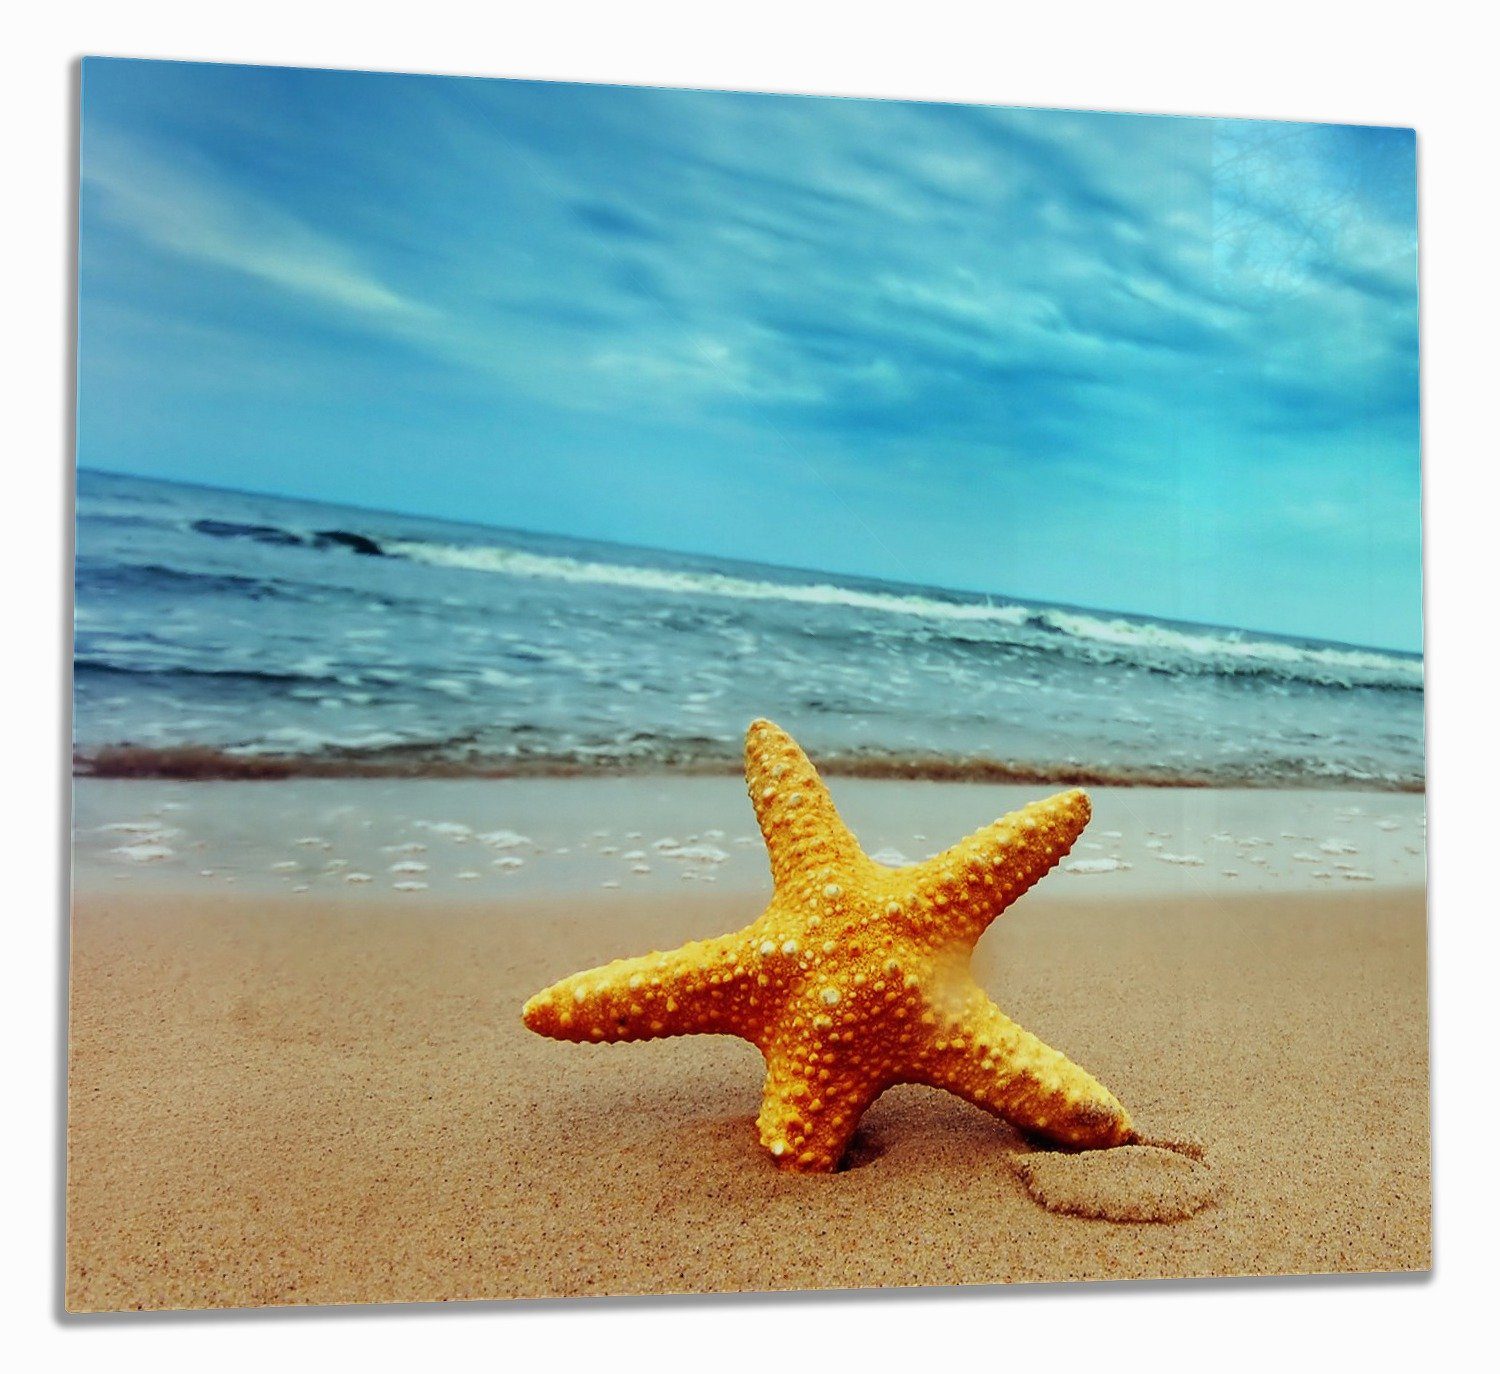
856 977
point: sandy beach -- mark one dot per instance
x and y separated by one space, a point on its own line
327 1095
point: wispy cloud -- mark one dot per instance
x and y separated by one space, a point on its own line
190 211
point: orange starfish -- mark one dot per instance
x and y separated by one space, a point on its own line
856 977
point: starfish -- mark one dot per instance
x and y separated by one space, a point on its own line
856 976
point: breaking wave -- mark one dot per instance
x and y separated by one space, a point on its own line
1086 634
1094 636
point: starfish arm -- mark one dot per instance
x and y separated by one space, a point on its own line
987 1059
856 976
806 1122
803 830
959 892
695 989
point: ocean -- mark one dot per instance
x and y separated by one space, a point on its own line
224 634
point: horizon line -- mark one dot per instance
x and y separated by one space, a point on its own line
1418 653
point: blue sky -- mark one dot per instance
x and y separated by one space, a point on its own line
1146 364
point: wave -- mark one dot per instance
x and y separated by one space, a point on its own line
94 574
1095 637
256 677
414 759
1100 638
1089 636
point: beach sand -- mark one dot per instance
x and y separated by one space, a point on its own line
328 1096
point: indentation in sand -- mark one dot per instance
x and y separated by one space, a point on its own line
1153 1180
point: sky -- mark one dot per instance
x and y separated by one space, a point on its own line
1158 365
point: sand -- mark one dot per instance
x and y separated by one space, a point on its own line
328 1096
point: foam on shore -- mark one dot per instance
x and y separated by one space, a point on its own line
561 835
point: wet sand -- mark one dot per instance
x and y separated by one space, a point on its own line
305 1098
555 837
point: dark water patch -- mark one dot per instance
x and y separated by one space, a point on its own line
261 534
177 672
348 539
352 540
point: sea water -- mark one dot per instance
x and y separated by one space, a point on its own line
221 633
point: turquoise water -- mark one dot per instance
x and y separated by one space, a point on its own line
244 628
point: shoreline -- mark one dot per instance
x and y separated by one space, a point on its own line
272 1102
205 763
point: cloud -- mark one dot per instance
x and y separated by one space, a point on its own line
974 275
188 211
1013 304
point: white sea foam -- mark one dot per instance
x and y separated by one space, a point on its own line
696 854
145 829
505 839
1095 866
293 739
144 853
1094 635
